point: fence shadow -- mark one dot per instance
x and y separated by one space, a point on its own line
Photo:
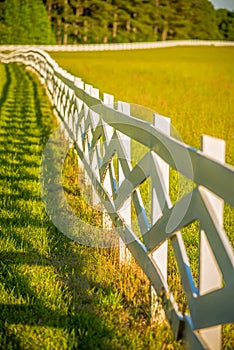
81 317
6 86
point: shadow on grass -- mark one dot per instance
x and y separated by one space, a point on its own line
6 86
81 317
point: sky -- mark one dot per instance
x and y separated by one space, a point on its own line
228 4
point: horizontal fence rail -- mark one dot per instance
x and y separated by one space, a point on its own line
100 130
120 46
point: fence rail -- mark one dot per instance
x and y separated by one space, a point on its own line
120 46
92 124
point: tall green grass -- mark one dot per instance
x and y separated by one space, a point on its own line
54 293
194 86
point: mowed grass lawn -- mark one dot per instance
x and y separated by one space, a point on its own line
194 86
54 293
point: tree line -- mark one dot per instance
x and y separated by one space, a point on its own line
103 21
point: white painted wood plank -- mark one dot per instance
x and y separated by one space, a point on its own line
210 277
95 164
108 130
160 255
125 211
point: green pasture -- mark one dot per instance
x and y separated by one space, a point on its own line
194 86
54 293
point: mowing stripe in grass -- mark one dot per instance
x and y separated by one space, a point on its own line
26 272
55 294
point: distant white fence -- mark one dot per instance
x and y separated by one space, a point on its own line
88 121
119 46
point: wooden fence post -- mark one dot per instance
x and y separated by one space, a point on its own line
79 105
108 100
210 277
125 211
87 180
95 161
159 255
78 128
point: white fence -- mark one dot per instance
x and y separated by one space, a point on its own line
210 302
119 46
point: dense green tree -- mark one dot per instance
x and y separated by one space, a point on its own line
25 21
77 20
58 15
99 16
181 19
225 22
141 25
102 21
203 21
166 15
11 21
2 22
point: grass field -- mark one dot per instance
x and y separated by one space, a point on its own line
194 86
54 293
